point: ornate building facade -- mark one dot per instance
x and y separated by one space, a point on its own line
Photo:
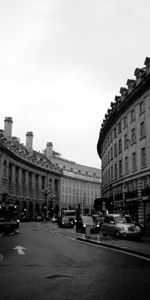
124 148
80 184
27 177
43 183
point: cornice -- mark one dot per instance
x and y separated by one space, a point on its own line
129 95
27 160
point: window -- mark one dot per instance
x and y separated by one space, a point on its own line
120 168
142 130
141 107
119 127
120 146
111 172
115 150
125 121
134 161
143 157
108 157
111 153
132 115
115 132
126 141
133 136
126 165
115 170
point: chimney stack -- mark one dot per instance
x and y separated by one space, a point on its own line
29 141
49 150
8 128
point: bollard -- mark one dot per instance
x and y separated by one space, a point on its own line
87 231
98 238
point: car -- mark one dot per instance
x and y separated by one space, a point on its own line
130 220
84 221
98 220
65 222
118 226
38 219
54 219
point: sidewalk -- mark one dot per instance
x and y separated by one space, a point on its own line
141 248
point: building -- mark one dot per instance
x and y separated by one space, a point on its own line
27 177
124 148
43 183
80 185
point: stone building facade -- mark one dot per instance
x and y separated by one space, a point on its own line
43 183
27 177
124 148
80 184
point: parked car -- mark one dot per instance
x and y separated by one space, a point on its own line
83 221
38 219
54 219
65 222
117 225
130 220
98 220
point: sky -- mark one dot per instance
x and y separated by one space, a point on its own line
62 62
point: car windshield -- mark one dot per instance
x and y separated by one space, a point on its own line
87 220
120 219
128 219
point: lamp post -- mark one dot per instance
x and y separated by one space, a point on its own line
45 194
124 197
52 197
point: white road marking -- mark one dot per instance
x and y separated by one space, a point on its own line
20 249
1 257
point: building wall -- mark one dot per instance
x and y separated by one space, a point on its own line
24 177
29 178
124 147
80 184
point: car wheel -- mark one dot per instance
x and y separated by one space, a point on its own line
104 232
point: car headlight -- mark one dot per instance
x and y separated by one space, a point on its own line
138 228
123 228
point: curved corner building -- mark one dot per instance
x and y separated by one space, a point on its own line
124 148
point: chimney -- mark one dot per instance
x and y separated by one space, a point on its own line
139 74
29 141
147 64
49 150
130 83
8 128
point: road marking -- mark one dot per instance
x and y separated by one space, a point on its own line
1 257
20 249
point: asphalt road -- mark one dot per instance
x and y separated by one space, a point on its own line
50 263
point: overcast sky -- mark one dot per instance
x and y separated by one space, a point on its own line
61 64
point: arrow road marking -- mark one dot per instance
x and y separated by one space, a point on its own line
20 249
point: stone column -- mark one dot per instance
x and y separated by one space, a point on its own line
26 183
33 185
20 181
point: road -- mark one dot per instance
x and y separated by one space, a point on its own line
50 263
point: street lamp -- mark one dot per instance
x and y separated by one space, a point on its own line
45 194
